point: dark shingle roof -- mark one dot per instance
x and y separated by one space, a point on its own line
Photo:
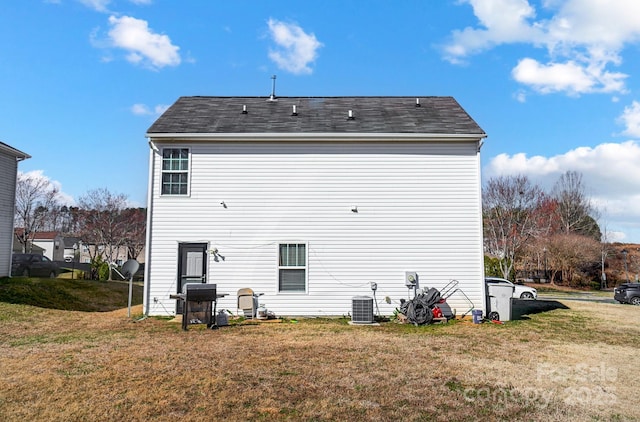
436 115
9 150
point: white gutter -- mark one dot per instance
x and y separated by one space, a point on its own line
313 136
20 156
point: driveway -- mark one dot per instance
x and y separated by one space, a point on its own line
583 296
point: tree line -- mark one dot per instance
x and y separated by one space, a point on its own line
101 219
552 235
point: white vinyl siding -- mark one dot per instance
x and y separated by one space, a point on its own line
8 172
418 210
175 171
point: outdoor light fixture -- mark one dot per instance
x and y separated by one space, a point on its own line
223 204
216 255
354 209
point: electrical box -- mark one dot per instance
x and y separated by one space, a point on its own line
411 279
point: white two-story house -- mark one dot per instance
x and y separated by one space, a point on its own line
309 200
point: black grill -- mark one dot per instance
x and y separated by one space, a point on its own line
199 304
199 292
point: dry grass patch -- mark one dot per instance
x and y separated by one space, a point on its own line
565 364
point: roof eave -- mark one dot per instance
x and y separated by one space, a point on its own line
319 136
14 152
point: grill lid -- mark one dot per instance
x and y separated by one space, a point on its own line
199 292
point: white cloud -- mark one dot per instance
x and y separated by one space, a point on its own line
144 46
570 77
144 110
503 21
102 5
631 119
296 49
98 5
611 175
582 38
63 198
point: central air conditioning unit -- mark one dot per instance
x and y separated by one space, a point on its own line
362 310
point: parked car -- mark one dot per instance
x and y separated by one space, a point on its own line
33 265
627 293
519 291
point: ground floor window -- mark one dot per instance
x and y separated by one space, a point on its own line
292 267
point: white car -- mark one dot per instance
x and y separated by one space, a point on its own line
519 291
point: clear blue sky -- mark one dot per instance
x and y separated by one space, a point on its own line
554 83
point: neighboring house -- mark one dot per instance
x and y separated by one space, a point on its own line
57 247
74 247
52 242
309 200
72 251
118 254
9 159
18 248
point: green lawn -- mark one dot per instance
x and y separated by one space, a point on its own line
67 294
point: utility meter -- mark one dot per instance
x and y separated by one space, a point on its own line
411 279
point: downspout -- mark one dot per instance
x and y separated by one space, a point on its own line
483 291
146 302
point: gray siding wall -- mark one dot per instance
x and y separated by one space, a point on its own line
419 209
8 172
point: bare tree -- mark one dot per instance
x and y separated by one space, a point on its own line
570 253
102 223
36 196
605 249
135 227
575 211
511 206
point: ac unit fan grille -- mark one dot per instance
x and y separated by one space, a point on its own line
362 310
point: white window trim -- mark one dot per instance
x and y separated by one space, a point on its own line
305 268
162 172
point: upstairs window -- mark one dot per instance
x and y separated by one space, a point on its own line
292 267
175 171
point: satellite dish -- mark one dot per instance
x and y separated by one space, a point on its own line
130 268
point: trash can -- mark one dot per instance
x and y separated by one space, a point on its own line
477 316
499 302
